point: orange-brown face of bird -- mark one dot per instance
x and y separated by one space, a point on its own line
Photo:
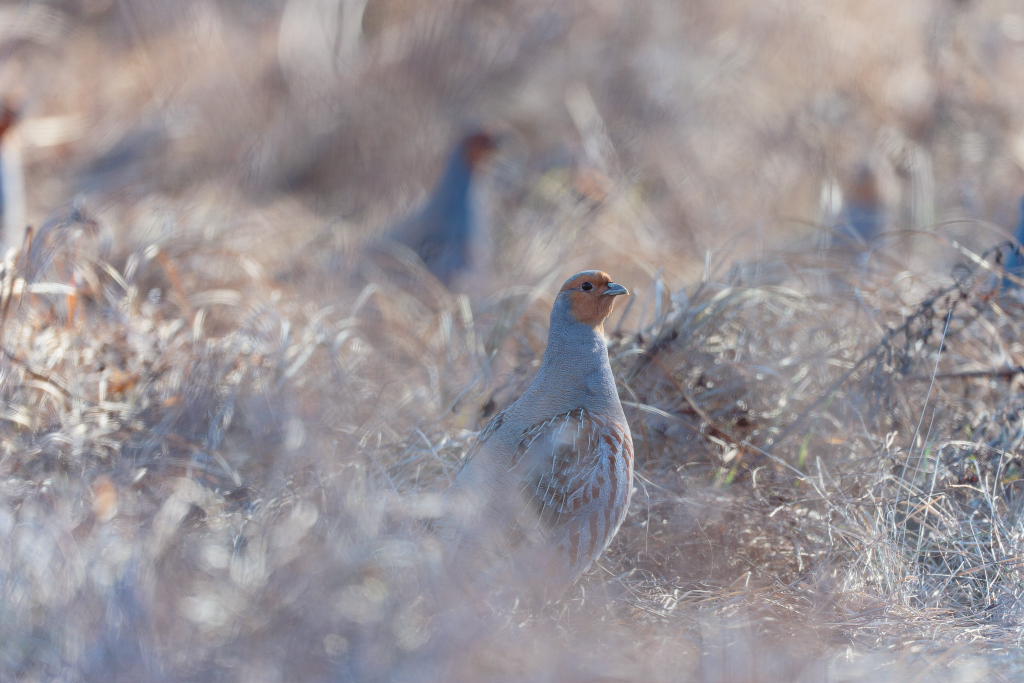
592 295
863 188
479 147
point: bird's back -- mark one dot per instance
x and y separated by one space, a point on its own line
441 237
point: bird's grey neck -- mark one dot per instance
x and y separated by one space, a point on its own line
575 345
456 183
577 355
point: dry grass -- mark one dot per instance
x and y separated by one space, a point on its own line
219 446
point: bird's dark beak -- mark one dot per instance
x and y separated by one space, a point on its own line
615 289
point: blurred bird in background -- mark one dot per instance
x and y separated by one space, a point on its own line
862 217
12 184
449 233
1015 261
544 490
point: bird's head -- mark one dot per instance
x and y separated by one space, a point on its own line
478 147
591 296
863 187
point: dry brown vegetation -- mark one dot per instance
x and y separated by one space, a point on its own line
218 446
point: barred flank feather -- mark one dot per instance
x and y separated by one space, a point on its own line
581 489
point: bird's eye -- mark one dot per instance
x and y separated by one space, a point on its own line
586 286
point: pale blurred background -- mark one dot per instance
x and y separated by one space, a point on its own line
719 127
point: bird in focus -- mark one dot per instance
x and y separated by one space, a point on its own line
545 488
449 232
